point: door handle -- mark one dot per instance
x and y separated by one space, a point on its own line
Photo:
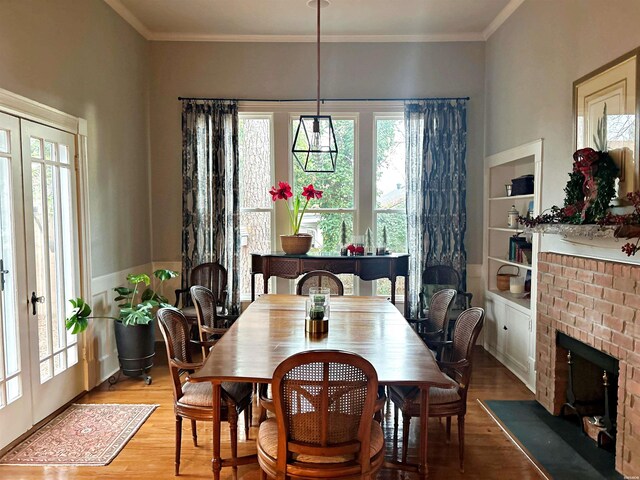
35 299
3 272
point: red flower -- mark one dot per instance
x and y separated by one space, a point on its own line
310 192
351 248
360 250
283 191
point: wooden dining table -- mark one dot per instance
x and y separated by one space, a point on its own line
272 329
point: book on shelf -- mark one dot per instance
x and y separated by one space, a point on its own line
520 250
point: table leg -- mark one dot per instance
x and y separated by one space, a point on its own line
393 290
266 283
406 296
253 287
216 460
423 469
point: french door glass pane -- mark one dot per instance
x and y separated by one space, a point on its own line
8 306
54 243
337 187
4 141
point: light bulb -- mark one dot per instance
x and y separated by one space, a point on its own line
315 141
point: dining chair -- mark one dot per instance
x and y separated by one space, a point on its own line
210 325
320 278
194 401
444 402
439 277
434 327
324 401
211 275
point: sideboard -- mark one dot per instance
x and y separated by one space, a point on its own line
367 267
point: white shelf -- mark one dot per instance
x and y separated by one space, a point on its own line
506 229
513 197
509 262
523 304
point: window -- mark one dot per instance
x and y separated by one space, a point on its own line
323 220
367 189
390 191
256 207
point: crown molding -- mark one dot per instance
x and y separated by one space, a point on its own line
505 13
130 18
453 37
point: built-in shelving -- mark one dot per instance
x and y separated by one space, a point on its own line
509 332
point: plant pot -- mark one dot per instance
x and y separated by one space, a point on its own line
296 244
136 349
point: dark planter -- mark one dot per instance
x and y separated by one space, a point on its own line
136 349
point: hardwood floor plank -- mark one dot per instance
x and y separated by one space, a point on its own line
489 454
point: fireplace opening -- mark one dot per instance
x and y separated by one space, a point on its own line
591 389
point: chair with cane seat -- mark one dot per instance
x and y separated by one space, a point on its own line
194 401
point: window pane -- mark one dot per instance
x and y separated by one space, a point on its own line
13 389
4 141
396 225
383 287
326 229
390 164
254 149
255 237
337 187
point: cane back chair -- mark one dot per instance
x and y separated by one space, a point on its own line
433 329
194 401
320 278
211 326
444 402
324 403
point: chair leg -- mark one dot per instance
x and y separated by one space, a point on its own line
194 433
263 475
247 421
461 441
232 417
178 442
448 429
395 419
406 419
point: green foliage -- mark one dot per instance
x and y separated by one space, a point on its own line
339 189
600 137
132 312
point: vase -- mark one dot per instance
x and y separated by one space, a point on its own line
296 244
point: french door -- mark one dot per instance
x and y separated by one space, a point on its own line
39 367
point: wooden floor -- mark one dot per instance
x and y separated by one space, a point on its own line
149 454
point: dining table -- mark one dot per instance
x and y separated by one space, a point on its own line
272 329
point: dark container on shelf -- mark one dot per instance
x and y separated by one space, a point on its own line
522 185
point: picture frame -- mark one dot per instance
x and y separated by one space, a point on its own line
606 108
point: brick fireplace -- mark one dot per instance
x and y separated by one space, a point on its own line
598 303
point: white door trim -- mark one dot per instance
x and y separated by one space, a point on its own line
28 109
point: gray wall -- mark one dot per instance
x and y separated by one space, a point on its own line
83 59
532 62
286 70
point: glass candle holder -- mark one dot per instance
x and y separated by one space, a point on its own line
319 303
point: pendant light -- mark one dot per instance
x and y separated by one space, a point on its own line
314 144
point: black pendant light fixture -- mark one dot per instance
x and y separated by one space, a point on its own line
314 144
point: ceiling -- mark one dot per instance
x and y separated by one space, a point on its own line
294 21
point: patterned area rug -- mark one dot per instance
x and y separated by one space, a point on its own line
84 434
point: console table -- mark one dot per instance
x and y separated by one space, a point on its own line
367 267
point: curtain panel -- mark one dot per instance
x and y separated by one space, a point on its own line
436 148
210 200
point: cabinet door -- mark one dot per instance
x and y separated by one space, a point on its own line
493 313
516 346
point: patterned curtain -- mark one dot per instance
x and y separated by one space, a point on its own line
210 201
436 133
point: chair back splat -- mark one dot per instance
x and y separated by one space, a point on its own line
324 404
320 278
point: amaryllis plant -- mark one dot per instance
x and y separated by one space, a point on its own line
295 214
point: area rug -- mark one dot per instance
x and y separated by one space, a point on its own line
84 434
557 447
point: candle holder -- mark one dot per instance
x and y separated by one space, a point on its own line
318 310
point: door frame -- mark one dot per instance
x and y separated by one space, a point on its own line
28 109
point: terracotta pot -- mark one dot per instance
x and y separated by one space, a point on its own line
296 244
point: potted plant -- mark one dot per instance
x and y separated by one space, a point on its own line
134 328
297 243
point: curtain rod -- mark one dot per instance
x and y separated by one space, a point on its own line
327 99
